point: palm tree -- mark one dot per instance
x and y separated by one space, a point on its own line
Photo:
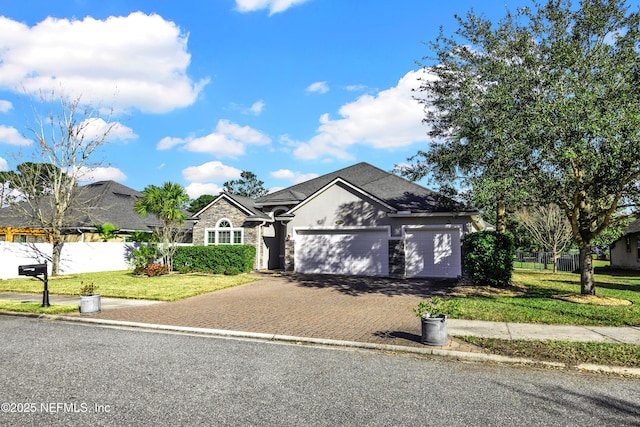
167 203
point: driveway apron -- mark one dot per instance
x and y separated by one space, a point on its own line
362 309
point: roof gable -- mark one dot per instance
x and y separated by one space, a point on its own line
339 181
245 204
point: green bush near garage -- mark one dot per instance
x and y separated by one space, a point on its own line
218 259
488 258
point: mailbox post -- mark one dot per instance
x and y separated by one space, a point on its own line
35 270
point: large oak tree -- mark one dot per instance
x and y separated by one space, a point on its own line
544 106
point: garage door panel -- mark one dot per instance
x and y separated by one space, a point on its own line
330 252
432 253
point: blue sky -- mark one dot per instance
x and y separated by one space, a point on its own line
286 89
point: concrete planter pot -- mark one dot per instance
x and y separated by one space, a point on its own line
434 330
90 304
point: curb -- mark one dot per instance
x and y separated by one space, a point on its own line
426 351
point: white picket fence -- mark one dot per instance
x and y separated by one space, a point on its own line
75 257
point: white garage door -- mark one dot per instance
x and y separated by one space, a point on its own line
356 252
432 253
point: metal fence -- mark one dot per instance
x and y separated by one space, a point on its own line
544 261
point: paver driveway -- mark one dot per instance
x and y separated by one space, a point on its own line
378 310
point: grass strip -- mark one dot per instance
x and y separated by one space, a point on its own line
36 307
571 353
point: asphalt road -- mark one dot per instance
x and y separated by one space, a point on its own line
55 373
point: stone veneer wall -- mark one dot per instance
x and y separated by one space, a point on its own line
223 209
289 251
396 257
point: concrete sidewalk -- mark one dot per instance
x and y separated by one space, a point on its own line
527 331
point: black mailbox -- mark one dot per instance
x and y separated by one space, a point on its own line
32 269
35 270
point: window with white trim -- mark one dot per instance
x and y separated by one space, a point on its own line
224 234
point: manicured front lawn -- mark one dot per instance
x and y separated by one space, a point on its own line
537 304
123 284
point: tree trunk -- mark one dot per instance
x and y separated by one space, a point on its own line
587 282
55 258
501 216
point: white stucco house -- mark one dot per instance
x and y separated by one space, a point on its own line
359 220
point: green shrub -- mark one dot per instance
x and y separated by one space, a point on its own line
219 259
488 258
146 254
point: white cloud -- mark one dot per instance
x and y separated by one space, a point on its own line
216 144
318 87
86 174
355 88
243 134
95 128
274 6
257 107
5 106
3 165
10 135
169 142
389 119
211 171
202 178
130 61
228 140
197 189
294 177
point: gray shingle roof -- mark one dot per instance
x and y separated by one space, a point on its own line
102 202
398 192
109 201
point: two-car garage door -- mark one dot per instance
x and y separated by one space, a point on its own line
428 251
362 252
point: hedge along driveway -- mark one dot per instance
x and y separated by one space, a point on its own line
123 284
219 259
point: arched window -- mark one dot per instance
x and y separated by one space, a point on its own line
224 234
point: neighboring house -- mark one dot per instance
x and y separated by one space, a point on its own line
625 252
99 203
359 220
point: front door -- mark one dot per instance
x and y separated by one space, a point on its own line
275 246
